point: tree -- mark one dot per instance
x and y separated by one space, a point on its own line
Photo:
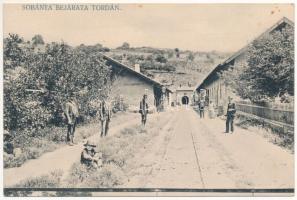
61 70
170 54
269 70
125 45
13 54
37 39
176 52
160 58
271 61
191 56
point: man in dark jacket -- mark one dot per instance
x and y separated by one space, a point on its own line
71 113
231 110
143 110
104 117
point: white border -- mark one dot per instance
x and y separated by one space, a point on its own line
131 1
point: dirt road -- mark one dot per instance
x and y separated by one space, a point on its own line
189 152
200 155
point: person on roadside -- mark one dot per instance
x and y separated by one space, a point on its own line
89 156
104 117
143 110
71 113
201 105
231 110
211 110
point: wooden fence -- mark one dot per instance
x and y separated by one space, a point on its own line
271 113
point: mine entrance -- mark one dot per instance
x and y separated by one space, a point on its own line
185 100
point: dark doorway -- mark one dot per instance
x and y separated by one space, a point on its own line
185 100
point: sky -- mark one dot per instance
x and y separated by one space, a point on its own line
197 27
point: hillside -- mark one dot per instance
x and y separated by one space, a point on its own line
170 66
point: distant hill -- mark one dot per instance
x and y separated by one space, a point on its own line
172 67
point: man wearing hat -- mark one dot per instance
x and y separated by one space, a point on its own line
230 115
143 110
71 113
89 156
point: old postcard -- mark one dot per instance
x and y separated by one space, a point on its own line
109 99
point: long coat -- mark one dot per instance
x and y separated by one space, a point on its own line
104 111
71 111
143 107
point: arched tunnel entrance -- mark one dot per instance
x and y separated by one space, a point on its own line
185 100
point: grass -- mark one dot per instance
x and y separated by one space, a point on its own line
46 181
118 153
274 134
119 161
109 175
36 149
53 138
49 140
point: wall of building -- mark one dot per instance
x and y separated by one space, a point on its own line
218 92
180 93
132 88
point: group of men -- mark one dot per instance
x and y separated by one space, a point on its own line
89 156
72 113
105 113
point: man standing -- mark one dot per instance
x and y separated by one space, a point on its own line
143 110
230 115
211 110
71 112
104 117
201 108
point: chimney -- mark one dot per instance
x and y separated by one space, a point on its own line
137 68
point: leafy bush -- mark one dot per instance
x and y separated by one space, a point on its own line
34 96
125 45
31 152
119 104
34 147
160 58
57 135
268 70
37 84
